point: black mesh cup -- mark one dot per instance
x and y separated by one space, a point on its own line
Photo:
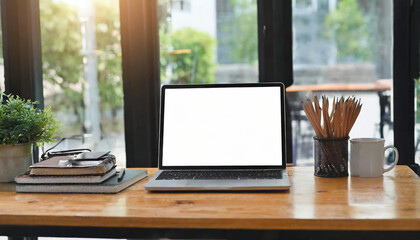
331 157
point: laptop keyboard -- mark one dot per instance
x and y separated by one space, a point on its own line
220 175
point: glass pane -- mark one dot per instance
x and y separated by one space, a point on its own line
81 55
342 48
203 41
1 59
417 123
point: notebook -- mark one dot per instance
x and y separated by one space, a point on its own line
221 137
62 165
114 184
26 178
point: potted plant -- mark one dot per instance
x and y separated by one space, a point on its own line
22 125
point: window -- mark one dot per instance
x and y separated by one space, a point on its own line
304 6
1 60
81 55
339 45
181 5
215 41
270 55
417 116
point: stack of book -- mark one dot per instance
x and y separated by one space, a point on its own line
64 174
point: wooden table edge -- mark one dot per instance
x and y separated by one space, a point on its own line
200 223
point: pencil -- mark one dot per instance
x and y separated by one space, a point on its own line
339 122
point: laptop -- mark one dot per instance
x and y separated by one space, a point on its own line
216 137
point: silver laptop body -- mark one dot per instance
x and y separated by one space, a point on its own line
216 137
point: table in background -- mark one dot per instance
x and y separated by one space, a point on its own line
351 205
379 87
296 93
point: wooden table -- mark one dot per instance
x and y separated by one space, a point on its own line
351 204
296 94
379 85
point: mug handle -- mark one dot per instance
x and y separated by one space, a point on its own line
390 167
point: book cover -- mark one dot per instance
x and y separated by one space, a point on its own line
112 185
64 165
39 179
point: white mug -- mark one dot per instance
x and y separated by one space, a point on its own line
367 157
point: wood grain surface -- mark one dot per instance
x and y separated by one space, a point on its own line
341 87
391 202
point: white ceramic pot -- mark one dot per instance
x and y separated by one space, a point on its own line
14 160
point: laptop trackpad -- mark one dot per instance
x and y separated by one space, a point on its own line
235 184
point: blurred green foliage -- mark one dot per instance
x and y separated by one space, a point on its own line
187 55
349 28
108 40
417 92
61 34
62 61
243 30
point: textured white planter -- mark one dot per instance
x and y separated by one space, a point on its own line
14 160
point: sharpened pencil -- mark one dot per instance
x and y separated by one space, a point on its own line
339 122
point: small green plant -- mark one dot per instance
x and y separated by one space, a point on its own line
21 122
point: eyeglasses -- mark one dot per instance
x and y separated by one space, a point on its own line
49 154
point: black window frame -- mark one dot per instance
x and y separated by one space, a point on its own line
406 68
21 36
141 84
141 80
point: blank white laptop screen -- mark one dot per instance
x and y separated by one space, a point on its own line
226 126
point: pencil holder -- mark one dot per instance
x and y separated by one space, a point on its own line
331 157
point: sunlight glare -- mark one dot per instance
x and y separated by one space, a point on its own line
80 4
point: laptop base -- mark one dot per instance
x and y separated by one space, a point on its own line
217 185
